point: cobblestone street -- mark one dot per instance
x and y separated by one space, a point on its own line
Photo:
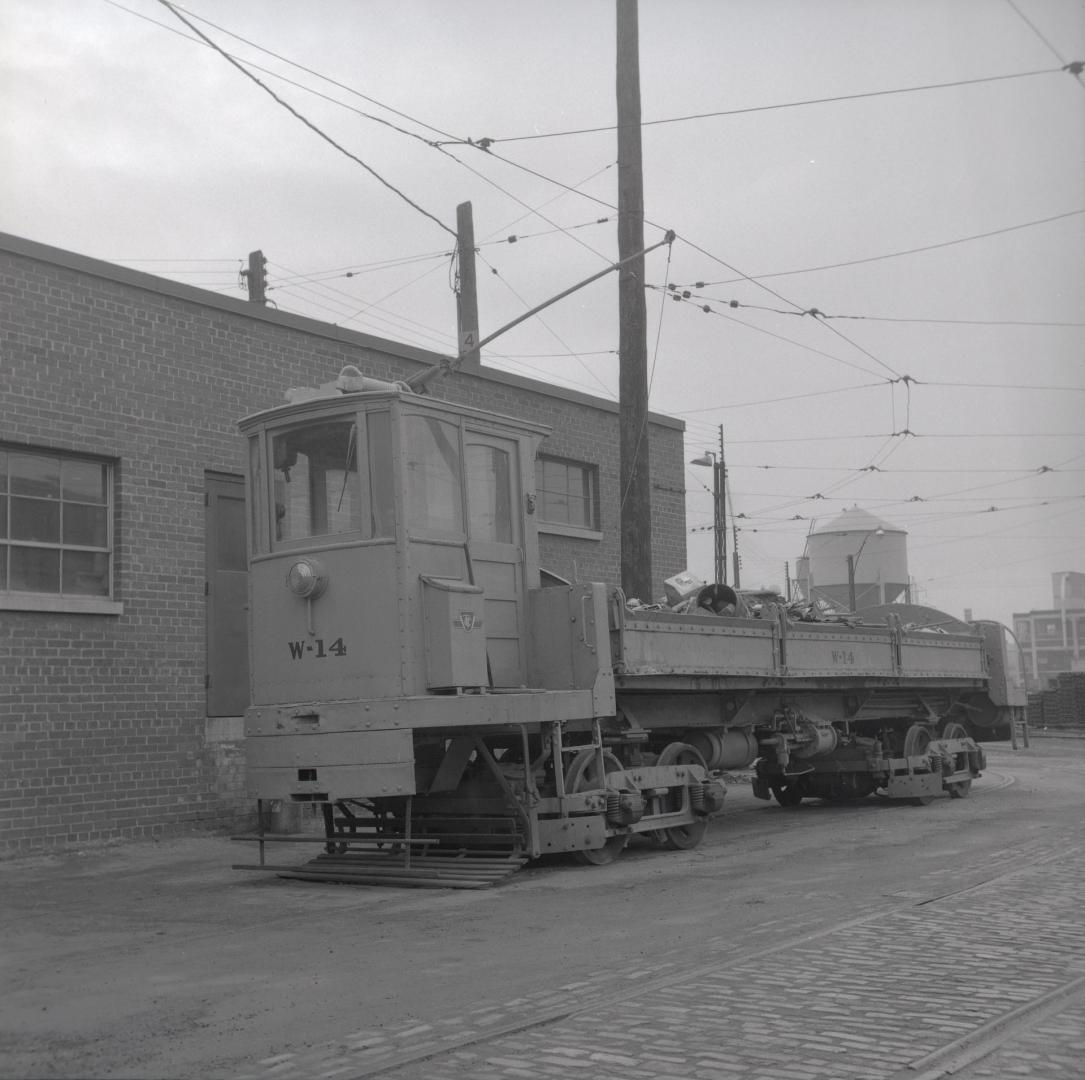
986 982
873 940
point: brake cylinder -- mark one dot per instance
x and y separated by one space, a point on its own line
724 749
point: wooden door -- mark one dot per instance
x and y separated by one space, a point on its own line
495 543
227 586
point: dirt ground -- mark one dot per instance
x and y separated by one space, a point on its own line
158 960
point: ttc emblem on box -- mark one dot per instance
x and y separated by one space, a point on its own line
468 620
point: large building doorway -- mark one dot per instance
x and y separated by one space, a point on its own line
227 596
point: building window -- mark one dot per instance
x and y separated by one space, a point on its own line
56 513
567 493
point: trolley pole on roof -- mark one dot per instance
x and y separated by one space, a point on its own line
634 475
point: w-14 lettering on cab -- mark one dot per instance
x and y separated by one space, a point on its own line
316 647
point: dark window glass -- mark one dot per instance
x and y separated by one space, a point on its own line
489 498
381 480
83 481
55 513
85 526
35 570
316 480
33 474
35 519
434 477
566 493
85 573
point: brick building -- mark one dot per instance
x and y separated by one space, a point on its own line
122 578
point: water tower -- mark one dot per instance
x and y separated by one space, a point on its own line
856 561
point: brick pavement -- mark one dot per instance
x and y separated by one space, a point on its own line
987 981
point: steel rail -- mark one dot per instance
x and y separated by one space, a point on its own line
983 1035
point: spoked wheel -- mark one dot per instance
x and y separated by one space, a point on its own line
583 775
682 837
960 789
917 739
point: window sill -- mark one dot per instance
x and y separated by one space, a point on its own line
570 530
71 605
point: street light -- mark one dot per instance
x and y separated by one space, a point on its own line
719 524
853 561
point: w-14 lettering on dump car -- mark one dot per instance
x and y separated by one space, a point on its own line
843 657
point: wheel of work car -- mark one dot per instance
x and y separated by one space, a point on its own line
583 775
682 837
961 789
916 741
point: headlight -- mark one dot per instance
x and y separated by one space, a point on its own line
307 579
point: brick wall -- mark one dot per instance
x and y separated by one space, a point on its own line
103 727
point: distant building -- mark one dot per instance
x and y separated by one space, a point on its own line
1053 640
855 550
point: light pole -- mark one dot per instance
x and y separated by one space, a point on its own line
719 518
853 561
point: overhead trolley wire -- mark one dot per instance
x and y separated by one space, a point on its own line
433 144
678 292
488 142
777 400
557 337
357 270
308 123
917 435
396 321
710 310
479 144
319 75
893 472
894 254
1074 69
954 322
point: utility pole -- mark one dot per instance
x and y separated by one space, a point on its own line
736 559
256 277
466 291
721 525
634 474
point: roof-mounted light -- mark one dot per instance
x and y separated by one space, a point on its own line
306 579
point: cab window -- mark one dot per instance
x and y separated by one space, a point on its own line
434 477
316 480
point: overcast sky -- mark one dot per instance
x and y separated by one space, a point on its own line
931 210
